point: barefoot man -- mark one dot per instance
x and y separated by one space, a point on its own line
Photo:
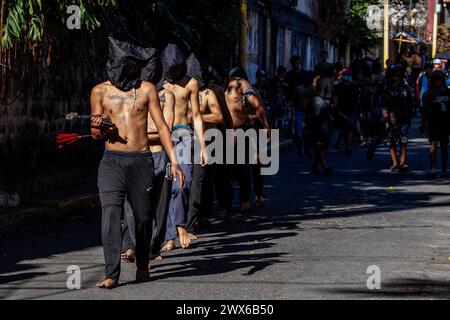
163 185
127 165
245 106
186 91
201 200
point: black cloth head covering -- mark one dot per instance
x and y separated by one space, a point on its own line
238 72
152 72
174 63
194 69
126 62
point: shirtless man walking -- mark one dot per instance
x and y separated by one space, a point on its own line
201 200
127 165
186 91
162 187
245 106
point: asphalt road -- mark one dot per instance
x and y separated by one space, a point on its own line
314 239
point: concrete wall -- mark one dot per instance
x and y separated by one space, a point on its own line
58 82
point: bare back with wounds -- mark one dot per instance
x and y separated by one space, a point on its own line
235 101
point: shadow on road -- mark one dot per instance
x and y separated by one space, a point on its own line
405 289
238 242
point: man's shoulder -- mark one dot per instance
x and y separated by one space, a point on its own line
147 86
193 83
101 87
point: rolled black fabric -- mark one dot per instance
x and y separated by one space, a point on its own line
174 63
194 69
152 72
126 64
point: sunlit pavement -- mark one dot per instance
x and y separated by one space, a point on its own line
314 239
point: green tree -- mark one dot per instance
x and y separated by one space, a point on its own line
355 30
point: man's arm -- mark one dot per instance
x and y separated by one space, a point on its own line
97 131
164 132
215 117
199 127
257 104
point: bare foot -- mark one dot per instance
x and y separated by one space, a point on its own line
185 240
129 256
170 246
143 276
157 257
108 284
193 237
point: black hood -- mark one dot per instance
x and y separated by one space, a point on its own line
152 72
194 69
174 63
126 61
238 72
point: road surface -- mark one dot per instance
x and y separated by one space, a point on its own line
314 239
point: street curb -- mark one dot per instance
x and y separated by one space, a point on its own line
30 215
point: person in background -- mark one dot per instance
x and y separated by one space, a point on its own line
321 123
279 91
436 114
301 107
423 83
397 113
347 95
437 65
295 77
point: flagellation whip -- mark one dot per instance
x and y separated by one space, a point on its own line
65 139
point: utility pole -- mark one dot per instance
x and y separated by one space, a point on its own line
437 11
386 32
348 49
244 35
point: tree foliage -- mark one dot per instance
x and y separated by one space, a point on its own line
200 25
26 19
355 30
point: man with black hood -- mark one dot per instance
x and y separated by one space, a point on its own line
246 107
436 113
127 165
186 91
201 199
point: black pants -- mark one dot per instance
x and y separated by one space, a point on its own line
224 186
122 174
201 198
161 200
258 180
241 173
160 207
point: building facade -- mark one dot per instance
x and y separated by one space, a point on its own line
277 30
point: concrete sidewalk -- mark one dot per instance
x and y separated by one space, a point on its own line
48 207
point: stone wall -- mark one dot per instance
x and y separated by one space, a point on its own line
39 88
